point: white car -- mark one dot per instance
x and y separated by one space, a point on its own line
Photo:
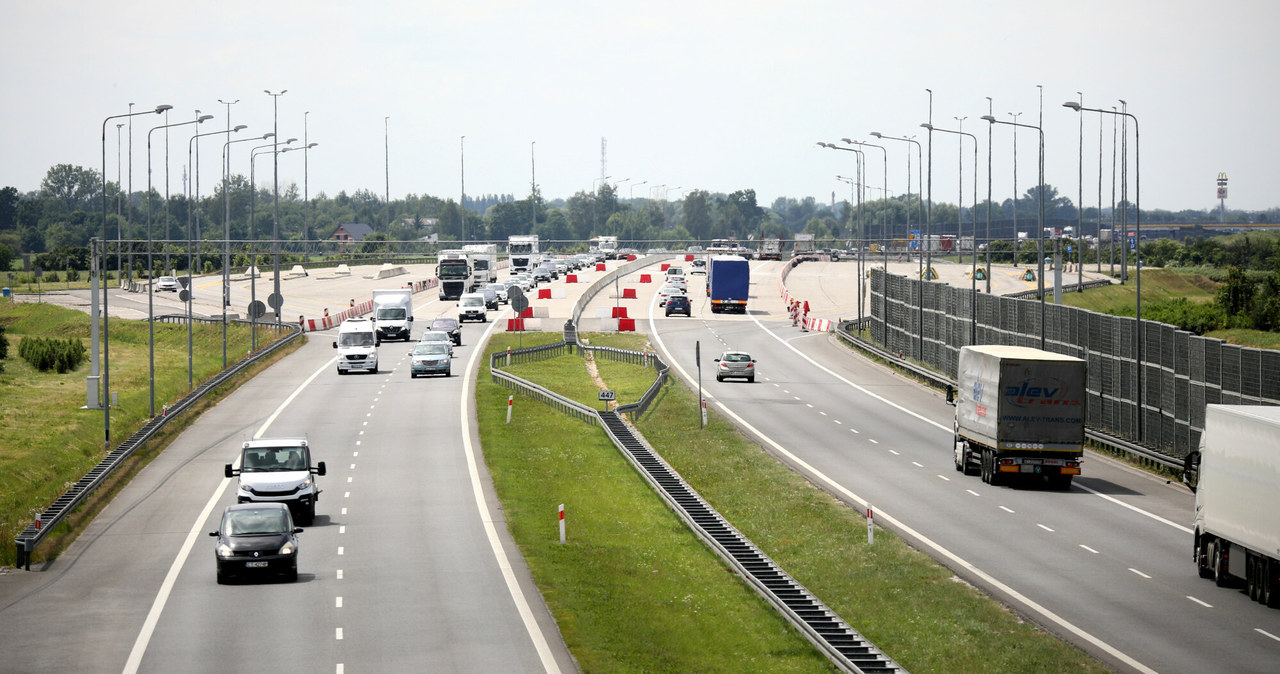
168 284
678 281
667 291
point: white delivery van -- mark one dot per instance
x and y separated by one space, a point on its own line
471 308
357 346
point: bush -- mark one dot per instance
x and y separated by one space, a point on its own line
62 355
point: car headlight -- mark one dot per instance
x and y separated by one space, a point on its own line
224 550
287 548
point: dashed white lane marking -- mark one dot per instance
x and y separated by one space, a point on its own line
1088 548
1045 528
1008 510
945 478
973 492
344 511
838 421
346 494
353 466
338 633
917 464
1265 633
1140 573
341 550
894 452
339 574
342 529
874 442
340 669
337 602
1202 603
809 405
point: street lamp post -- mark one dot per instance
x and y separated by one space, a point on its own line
1137 237
151 323
988 237
100 265
1040 197
226 233
919 171
885 182
1016 197
973 281
191 272
276 300
253 256
859 168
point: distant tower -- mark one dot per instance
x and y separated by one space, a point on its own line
604 158
1222 197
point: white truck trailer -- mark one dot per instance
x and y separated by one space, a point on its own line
1019 412
524 253
1237 525
393 313
484 263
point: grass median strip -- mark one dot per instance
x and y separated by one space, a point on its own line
605 586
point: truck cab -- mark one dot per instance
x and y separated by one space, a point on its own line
278 470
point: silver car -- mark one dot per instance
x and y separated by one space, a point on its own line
735 364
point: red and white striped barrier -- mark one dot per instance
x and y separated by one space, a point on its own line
817 324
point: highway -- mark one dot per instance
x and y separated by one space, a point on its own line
1106 565
408 566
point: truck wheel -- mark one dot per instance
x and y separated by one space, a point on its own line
1221 577
982 467
1203 566
1251 578
1270 583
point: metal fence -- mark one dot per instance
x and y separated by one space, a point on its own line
1175 372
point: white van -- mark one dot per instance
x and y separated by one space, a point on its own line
357 346
471 308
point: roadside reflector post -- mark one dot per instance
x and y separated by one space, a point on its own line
508 364
871 529
510 402
561 524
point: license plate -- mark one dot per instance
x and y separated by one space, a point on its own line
256 565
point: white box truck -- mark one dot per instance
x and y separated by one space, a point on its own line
1019 412
484 263
1237 525
523 250
393 313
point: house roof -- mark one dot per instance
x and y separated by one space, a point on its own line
357 230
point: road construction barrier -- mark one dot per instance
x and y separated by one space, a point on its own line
628 293
626 325
646 278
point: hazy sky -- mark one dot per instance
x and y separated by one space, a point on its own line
709 95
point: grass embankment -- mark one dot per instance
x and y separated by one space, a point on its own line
1166 285
635 590
47 441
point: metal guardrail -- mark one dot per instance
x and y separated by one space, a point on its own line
30 537
937 380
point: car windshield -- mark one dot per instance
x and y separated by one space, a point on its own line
255 521
736 358
445 324
355 339
432 348
266 459
472 301
391 314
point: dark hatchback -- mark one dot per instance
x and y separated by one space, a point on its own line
256 539
679 304
451 326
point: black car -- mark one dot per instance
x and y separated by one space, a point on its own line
256 539
679 304
450 326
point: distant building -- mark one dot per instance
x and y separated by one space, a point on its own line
352 231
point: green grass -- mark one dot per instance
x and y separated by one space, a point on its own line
39 459
630 547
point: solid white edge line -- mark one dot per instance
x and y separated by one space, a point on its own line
901 526
162 597
495 543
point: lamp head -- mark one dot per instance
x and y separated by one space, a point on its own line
927 125
1073 105
989 118
268 135
240 127
162 108
312 145
290 141
203 118
847 140
876 134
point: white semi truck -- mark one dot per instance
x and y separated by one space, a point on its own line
484 263
524 253
453 271
393 313
1019 412
1237 525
